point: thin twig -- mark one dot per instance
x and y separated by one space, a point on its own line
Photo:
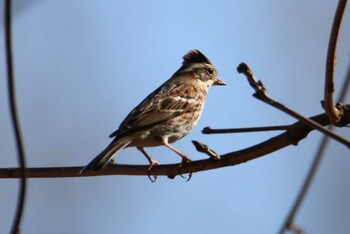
12 99
208 130
261 94
296 133
289 223
200 147
334 113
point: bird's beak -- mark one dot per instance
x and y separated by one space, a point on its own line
218 81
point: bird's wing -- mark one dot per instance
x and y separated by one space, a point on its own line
163 104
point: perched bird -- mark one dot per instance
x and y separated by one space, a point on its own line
168 114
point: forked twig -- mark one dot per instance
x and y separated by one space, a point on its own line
261 94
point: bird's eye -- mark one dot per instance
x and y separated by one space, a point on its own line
210 71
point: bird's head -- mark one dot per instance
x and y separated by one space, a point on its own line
200 68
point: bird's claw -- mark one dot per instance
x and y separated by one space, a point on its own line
154 179
185 160
188 178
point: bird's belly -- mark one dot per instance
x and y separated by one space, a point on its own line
170 131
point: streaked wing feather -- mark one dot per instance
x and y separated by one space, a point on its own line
165 109
159 107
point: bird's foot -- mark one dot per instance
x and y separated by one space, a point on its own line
152 163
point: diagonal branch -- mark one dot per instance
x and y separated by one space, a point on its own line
261 94
296 133
334 112
289 222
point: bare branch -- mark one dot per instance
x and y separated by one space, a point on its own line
261 94
334 113
296 132
15 122
208 130
289 223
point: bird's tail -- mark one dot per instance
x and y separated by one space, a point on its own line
101 160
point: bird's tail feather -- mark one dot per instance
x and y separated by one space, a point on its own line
101 160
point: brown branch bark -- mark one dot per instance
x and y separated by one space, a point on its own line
296 132
334 112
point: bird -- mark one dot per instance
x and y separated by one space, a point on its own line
166 115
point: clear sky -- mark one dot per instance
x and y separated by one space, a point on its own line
82 65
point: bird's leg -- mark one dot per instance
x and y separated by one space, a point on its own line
152 163
183 156
185 159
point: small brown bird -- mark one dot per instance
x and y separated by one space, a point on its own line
168 114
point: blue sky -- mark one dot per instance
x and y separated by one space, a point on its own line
81 66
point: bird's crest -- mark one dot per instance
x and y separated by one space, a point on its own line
194 56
